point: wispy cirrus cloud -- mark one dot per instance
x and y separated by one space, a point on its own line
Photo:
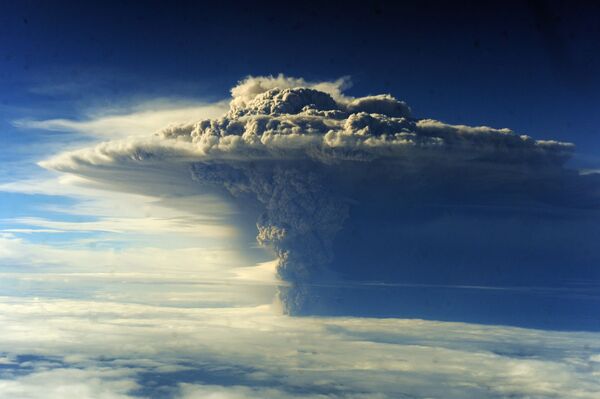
208 227
142 118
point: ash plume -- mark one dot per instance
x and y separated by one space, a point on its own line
307 155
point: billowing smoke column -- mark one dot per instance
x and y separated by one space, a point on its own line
301 215
291 148
306 154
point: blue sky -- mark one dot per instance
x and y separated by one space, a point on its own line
131 269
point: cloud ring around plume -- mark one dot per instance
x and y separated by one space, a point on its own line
303 150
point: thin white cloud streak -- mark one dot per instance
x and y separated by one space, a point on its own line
32 231
198 227
589 171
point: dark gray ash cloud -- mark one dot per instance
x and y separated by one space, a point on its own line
306 155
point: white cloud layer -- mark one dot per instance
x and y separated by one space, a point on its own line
99 349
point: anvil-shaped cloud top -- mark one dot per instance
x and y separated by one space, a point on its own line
307 155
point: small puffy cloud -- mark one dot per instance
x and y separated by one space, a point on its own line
247 90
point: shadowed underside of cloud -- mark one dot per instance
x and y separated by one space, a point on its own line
318 166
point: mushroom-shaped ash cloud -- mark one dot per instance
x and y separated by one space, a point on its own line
311 157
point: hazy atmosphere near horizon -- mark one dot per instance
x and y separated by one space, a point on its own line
263 200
